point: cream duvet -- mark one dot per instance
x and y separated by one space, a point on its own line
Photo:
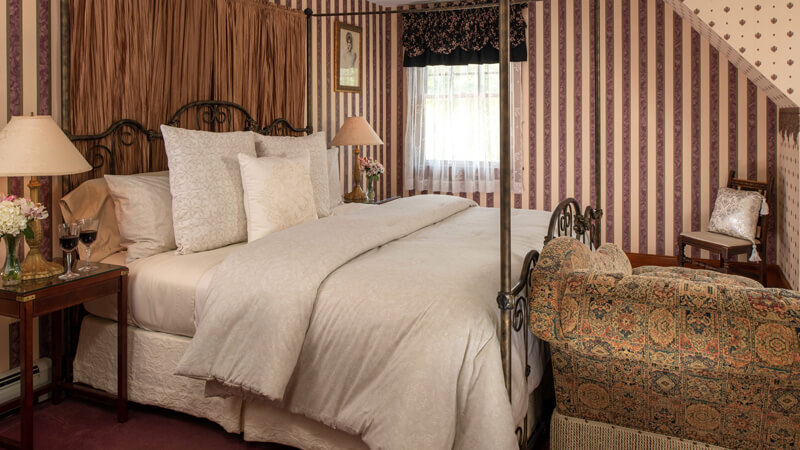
382 323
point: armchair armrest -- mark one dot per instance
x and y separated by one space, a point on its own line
695 325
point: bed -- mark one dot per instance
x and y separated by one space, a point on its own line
399 346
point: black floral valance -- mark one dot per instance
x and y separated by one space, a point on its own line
460 37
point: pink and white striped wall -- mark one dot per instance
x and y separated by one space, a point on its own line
676 116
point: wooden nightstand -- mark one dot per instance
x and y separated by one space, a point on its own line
35 298
377 202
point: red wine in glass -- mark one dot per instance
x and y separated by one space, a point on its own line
88 236
68 237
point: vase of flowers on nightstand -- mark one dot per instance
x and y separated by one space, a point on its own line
16 213
373 170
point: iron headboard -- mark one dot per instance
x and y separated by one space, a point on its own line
567 220
128 143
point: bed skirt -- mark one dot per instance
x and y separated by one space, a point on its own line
152 358
567 433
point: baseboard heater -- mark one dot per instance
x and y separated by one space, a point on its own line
11 385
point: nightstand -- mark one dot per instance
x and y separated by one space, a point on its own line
377 202
35 298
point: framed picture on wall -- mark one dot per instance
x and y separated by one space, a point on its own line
347 61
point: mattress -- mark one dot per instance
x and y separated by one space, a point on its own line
162 288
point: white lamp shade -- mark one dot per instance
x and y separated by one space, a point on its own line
34 146
356 131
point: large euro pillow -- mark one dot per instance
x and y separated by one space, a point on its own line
143 207
207 196
317 148
277 193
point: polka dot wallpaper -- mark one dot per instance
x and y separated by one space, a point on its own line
789 207
765 33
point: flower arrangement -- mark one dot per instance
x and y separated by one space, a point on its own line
16 215
371 167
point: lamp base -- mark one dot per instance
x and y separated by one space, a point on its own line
356 195
34 266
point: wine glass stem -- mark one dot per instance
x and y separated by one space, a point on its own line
86 264
69 263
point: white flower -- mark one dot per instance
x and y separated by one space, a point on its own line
12 220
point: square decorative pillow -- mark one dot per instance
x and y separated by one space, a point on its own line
317 146
736 213
143 205
206 185
335 185
277 193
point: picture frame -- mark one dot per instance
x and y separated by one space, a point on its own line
348 61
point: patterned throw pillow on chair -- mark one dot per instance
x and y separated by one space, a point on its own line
736 213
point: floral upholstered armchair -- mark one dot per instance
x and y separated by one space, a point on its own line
643 357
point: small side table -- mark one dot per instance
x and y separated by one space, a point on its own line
377 202
35 298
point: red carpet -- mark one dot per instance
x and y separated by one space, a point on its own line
85 425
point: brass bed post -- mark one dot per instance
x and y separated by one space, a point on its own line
309 15
505 298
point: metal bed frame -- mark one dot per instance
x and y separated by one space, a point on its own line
214 115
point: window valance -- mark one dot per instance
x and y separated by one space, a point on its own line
460 37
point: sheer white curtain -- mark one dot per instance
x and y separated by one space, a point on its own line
452 137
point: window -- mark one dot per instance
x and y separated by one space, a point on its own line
453 128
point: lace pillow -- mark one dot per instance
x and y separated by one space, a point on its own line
277 193
317 146
207 197
736 213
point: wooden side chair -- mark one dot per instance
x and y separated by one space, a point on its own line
726 246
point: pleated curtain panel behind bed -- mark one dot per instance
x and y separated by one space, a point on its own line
144 59
452 135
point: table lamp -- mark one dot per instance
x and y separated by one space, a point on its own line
356 131
31 146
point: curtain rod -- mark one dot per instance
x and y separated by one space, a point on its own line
309 12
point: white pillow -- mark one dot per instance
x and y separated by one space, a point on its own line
143 206
317 146
207 198
277 193
334 185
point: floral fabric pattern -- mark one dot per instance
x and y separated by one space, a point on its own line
736 213
708 276
698 357
609 258
467 30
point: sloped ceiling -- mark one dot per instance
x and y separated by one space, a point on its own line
761 37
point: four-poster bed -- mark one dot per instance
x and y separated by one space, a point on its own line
511 298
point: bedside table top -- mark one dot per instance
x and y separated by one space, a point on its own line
376 202
32 286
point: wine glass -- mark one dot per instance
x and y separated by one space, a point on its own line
68 235
88 235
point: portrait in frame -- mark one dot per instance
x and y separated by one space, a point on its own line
348 58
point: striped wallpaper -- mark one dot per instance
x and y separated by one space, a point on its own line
379 100
30 84
676 116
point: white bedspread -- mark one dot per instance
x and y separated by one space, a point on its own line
335 319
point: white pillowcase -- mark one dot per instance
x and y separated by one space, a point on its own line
335 185
143 206
277 193
207 198
316 146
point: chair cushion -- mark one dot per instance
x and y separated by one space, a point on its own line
706 276
718 239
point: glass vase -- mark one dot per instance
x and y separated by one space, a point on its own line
371 188
12 272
